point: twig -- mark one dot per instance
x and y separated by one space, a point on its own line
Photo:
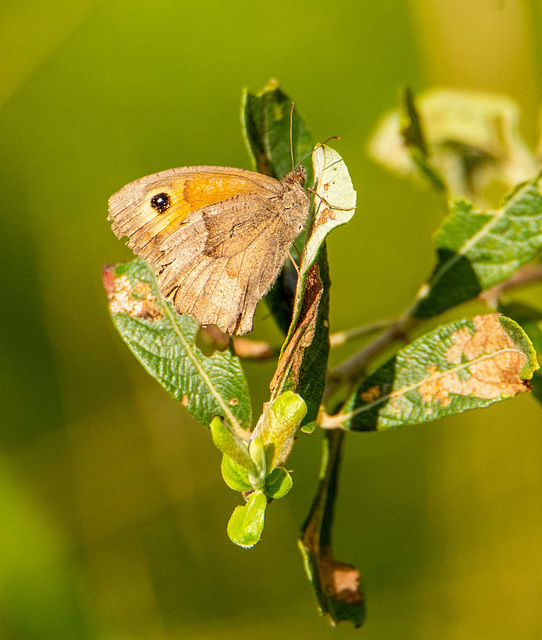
342 337
355 366
528 274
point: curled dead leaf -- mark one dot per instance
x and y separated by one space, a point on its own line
292 357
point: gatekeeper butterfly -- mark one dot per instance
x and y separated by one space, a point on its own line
216 237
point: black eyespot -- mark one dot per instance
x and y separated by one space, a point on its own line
161 202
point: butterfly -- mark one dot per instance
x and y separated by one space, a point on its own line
216 237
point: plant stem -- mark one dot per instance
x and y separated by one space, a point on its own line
317 527
337 600
355 366
528 274
342 337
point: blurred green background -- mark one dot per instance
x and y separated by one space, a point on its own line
112 508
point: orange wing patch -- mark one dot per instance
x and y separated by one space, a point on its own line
191 193
203 190
133 215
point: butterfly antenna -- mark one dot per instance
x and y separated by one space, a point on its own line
328 139
291 135
320 144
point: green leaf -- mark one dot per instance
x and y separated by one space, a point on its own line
280 298
259 469
164 343
463 365
312 358
265 117
278 483
412 132
246 523
266 122
411 127
536 383
472 140
336 584
277 427
227 441
235 475
530 320
528 317
477 249
303 363
302 366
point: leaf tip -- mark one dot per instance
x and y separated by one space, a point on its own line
246 523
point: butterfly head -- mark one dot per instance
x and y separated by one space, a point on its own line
296 176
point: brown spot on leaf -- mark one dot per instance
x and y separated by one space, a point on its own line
341 580
437 387
233 402
488 338
371 394
185 400
137 300
324 215
489 361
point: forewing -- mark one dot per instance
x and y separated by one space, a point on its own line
231 259
221 243
190 189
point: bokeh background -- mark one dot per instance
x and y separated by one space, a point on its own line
112 508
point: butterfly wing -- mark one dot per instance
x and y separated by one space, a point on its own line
219 245
189 189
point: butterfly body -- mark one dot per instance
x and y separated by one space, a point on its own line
217 237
